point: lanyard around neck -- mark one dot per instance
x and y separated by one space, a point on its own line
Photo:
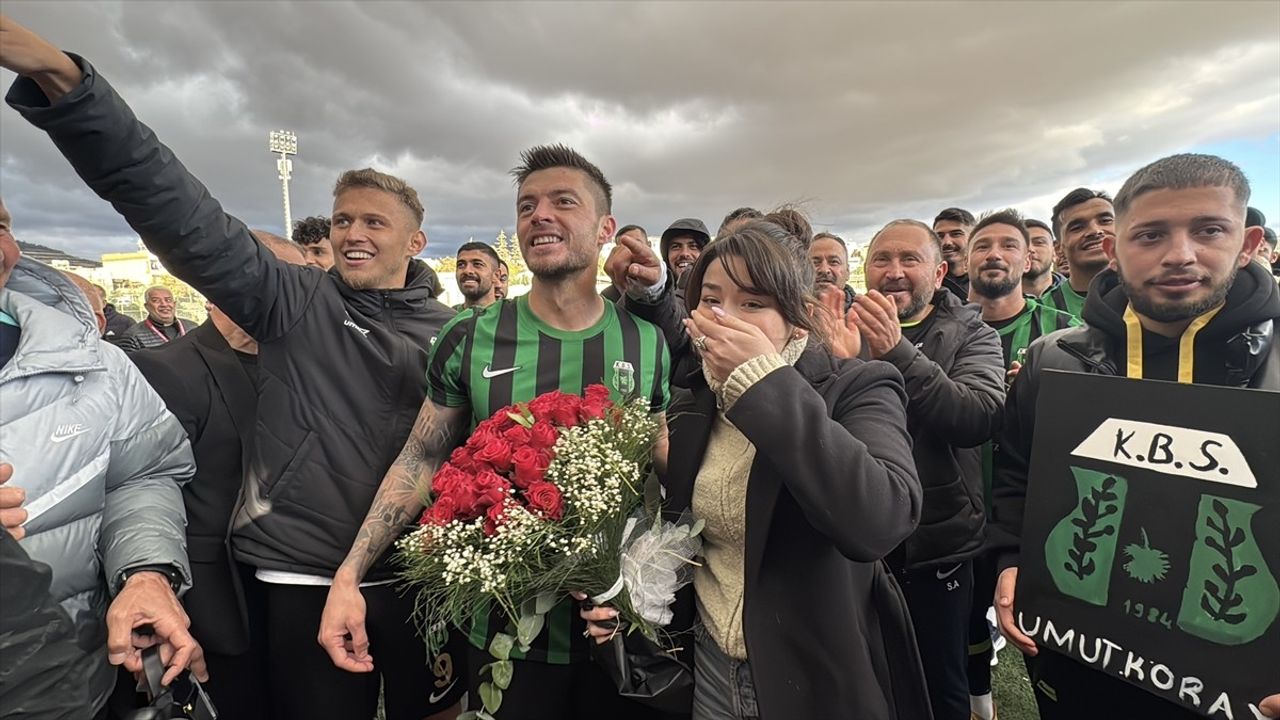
1186 345
160 333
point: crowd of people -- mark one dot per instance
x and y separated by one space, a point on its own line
229 492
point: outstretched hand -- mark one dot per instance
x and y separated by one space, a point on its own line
26 53
633 262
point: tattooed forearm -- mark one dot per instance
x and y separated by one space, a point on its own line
404 488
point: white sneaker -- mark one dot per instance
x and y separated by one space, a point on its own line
997 640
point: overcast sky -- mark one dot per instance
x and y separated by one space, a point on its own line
864 112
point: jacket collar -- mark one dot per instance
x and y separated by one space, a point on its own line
59 333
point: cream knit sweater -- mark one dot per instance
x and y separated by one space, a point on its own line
720 500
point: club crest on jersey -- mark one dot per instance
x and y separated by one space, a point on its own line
624 377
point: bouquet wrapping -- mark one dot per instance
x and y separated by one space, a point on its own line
546 497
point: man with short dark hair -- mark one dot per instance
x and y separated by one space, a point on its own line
830 258
1041 276
681 244
999 250
364 328
161 325
477 265
953 226
1082 221
561 335
1184 293
313 235
954 375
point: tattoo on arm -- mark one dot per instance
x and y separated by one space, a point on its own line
404 488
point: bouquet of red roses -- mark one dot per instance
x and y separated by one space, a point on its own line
546 497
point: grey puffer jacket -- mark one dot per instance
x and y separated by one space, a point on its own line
100 457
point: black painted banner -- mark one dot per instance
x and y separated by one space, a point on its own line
1151 541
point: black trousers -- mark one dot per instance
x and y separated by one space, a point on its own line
939 598
538 691
287 675
980 647
1068 690
304 683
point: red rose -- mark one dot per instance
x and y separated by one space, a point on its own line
447 478
517 435
496 452
543 435
593 409
463 459
530 464
466 499
596 393
441 512
495 516
491 489
480 437
565 412
544 498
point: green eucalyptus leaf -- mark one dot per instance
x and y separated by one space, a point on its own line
697 528
502 673
543 603
528 628
490 697
501 646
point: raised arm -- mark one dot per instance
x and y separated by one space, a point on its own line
400 498
124 162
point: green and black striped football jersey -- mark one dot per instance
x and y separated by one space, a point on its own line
1063 299
1036 320
502 354
1016 335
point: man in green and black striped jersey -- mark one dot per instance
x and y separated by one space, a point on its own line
561 335
999 254
1080 221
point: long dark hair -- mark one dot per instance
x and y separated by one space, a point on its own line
776 265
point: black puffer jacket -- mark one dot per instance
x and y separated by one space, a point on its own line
955 393
1237 348
342 371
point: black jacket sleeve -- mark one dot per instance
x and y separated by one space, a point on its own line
668 314
1011 462
123 161
851 471
962 407
39 657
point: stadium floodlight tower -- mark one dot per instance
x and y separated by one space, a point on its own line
284 143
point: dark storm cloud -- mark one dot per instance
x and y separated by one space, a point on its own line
865 111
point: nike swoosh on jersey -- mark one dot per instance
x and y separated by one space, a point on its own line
488 372
434 698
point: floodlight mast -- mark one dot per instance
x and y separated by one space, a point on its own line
285 143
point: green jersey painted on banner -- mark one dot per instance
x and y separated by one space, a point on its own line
487 359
